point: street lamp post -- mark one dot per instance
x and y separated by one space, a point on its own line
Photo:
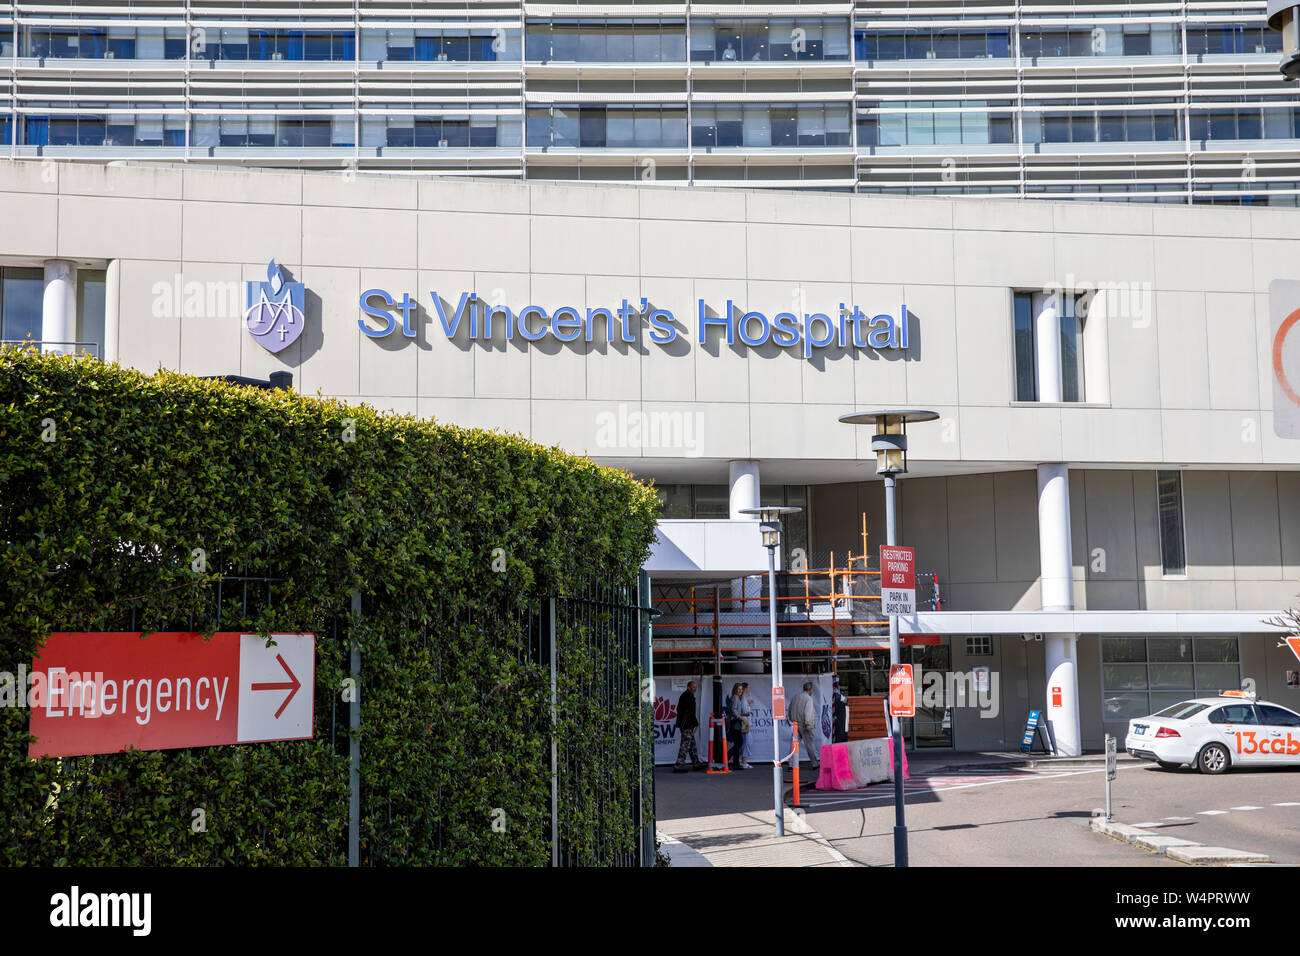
1284 17
770 528
890 445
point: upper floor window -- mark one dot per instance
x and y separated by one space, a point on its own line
1102 127
606 41
453 44
1067 317
459 131
926 43
261 45
106 43
105 129
780 125
926 128
596 127
764 40
1249 123
1215 38
317 131
1126 39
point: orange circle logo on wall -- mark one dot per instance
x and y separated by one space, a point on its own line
1279 341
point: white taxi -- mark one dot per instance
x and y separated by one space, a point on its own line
1215 733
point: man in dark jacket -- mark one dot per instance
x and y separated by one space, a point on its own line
839 713
688 721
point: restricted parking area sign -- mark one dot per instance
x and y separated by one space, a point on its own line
97 693
897 579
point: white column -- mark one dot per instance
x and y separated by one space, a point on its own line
1047 345
743 482
1054 550
112 315
59 306
1062 655
1057 584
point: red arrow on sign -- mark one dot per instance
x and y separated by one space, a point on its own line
1294 643
291 687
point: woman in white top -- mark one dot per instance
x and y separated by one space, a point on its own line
745 709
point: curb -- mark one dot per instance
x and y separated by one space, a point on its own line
795 821
678 853
1175 848
1029 763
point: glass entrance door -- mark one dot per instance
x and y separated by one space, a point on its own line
932 726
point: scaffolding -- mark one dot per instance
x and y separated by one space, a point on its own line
820 612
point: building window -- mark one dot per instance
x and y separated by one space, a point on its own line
803 125
90 311
1026 373
932 44
979 646
606 41
21 291
713 502
598 127
1072 313
899 123
1169 494
1142 675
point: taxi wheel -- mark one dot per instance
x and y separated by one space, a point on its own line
1213 759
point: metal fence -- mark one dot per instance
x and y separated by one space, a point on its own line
608 624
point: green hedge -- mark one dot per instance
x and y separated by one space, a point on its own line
111 479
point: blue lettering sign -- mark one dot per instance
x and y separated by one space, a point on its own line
807 333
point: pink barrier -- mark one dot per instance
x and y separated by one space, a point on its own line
836 772
837 769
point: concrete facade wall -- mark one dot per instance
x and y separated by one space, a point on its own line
979 533
1185 379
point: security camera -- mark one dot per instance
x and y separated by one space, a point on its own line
1032 637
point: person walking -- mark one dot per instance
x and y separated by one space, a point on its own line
803 711
688 722
735 740
745 710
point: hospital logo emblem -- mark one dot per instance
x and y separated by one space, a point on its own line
275 315
1284 356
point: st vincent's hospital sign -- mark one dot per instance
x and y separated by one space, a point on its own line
478 320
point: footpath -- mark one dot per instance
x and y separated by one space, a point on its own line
729 820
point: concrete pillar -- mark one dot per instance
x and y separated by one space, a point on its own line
59 306
1047 345
743 482
1062 656
1057 583
112 314
1055 553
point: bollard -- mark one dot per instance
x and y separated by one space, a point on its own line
794 756
714 766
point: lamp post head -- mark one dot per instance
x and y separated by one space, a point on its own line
890 439
1284 17
770 522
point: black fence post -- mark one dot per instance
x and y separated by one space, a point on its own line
354 744
555 717
647 669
